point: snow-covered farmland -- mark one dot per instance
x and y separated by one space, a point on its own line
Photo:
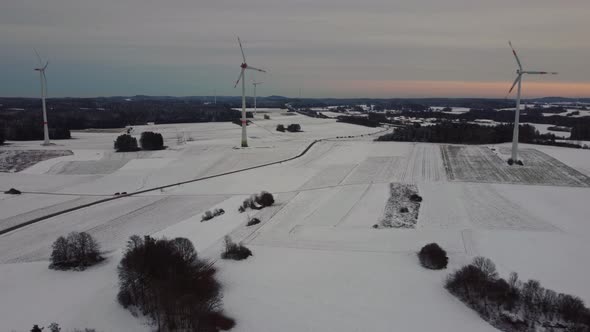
481 164
318 263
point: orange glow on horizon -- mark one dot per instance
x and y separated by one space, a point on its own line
530 89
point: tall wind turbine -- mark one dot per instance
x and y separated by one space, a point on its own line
242 77
43 78
520 72
255 85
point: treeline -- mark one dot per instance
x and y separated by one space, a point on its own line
29 127
581 131
513 305
359 120
2 135
120 115
28 124
465 133
531 115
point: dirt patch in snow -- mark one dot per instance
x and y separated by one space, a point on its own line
16 160
400 211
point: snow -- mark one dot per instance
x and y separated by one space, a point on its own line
332 114
318 264
38 295
454 110
340 291
543 129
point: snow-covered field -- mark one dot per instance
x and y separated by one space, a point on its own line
482 164
318 264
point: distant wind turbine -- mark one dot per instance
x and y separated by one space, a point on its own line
255 85
520 72
43 78
242 77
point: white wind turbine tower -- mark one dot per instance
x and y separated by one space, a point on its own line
255 85
43 78
520 72
242 77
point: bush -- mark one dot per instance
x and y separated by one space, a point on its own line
257 202
253 221
208 215
54 327
77 251
222 322
294 127
13 191
266 117
513 305
235 251
415 198
281 128
167 282
265 199
151 141
432 256
126 143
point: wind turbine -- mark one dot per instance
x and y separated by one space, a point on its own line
242 77
255 84
520 72
43 78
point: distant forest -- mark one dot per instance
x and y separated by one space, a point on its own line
580 125
64 115
21 118
467 133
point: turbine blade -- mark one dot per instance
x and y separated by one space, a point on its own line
239 78
514 84
38 57
46 64
260 70
242 50
540 73
515 55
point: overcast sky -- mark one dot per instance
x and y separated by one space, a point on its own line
328 48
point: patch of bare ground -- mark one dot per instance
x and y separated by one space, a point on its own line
12 161
401 211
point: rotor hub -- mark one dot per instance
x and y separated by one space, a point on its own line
244 65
